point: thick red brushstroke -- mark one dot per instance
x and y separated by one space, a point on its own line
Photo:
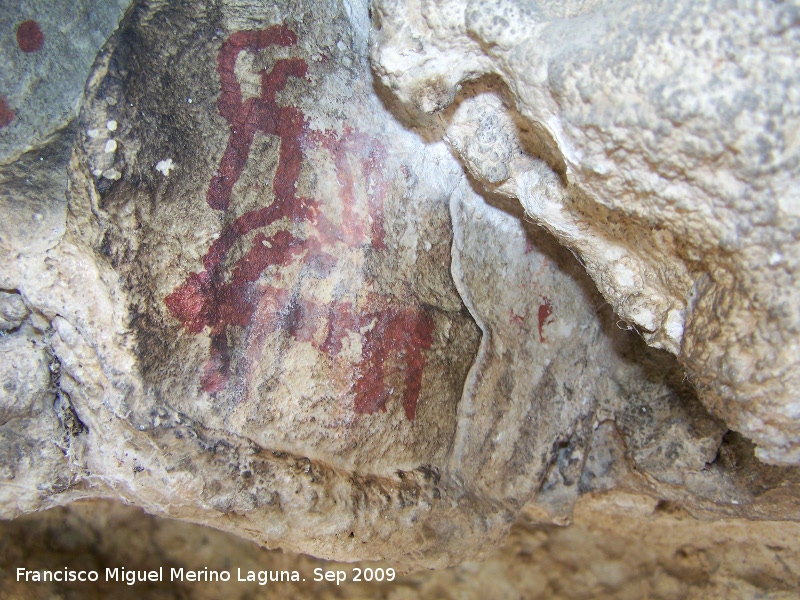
257 114
393 339
206 299
401 331
7 114
545 311
29 36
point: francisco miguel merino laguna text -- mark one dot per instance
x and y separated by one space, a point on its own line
132 577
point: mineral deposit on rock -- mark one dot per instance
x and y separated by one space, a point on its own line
659 142
247 287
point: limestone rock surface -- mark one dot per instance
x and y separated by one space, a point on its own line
659 142
244 287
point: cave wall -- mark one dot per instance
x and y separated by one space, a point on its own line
370 281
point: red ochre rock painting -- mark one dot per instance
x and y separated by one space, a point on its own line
545 312
393 339
7 114
29 36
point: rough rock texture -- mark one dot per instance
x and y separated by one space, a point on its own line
246 288
661 554
659 142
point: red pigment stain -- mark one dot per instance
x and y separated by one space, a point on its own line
207 299
29 36
371 155
393 340
392 345
518 320
545 311
257 114
7 114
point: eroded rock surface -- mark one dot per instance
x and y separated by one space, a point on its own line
656 141
245 288
606 554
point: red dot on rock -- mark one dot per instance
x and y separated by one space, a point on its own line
6 113
29 36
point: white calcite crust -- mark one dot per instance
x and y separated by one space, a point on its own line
668 139
247 288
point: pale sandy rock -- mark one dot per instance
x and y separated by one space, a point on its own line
12 311
605 554
239 291
657 141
